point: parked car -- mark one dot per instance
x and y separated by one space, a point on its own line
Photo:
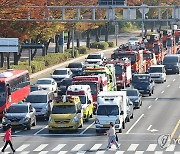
144 83
158 73
20 116
130 109
172 63
42 101
77 68
47 84
63 85
95 58
135 96
61 73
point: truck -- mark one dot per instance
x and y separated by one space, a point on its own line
112 107
67 114
107 72
122 71
94 81
84 93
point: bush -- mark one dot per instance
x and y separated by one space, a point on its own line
111 44
83 50
103 45
37 66
94 45
22 66
76 52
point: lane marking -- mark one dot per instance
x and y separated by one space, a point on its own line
179 86
168 85
149 127
43 152
40 147
77 147
87 128
162 92
40 130
156 99
22 147
95 147
58 147
171 147
120 152
139 152
132 147
175 129
174 80
62 152
135 123
149 106
151 147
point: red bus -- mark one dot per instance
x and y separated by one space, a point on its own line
14 87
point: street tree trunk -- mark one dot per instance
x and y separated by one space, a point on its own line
69 40
107 32
57 43
88 39
2 59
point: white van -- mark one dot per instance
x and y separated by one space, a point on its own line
112 107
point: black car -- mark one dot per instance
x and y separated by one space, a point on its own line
144 83
77 68
63 85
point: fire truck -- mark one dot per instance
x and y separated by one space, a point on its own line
138 65
94 81
155 46
107 72
177 35
149 57
122 71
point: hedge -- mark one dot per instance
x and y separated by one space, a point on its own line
111 44
99 45
83 50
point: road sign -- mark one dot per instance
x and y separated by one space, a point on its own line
144 9
9 44
111 2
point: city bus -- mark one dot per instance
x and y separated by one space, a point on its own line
14 87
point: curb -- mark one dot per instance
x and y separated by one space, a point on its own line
50 69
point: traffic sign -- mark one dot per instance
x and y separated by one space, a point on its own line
144 9
9 44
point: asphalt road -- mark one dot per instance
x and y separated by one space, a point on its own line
159 115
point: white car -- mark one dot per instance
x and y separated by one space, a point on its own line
133 40
95 58
158 73
61 73
47 84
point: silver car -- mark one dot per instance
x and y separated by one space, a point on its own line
20 116
130 110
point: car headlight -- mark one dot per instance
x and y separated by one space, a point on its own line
44 109
75 119
97 121
117 121
4 119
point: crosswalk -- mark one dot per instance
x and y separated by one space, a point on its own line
99 148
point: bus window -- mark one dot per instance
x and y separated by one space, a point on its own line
2 93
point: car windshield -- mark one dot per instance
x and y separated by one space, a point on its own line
63 109
141 78
17 109
94 57
171 60
75 65
43 81
118 69
83 99
155 70
36 98
108 110
2 93
132 93
93 86
60 72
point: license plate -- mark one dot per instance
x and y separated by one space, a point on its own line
107 125
14 123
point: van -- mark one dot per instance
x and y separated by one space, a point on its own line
67 114
42 101
171 63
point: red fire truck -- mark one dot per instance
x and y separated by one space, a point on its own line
149 57
122 71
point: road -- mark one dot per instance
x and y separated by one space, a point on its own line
159 115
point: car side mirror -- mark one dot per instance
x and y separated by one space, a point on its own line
89 102
122 112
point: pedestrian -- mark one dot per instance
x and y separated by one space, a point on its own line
111 133
7 138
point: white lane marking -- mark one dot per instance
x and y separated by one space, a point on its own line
149 106
132 147
77 147
171 147
174 80
62 152
162 92
86 128
100 152
58 147
39 148
43 152
81 152
149 127
17 131
176 152
95 147
156 99
25 152
151 147
139 152
40 130
179 86
168 85
158 152
119 152
22 147
135 123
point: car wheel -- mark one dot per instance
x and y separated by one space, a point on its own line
123 125
128 119
141 103
150 94
132 116
120 130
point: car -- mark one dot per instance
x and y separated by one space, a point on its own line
63 85
42 101
135 96
77 68
172 63
61 73
144 83
95 58
158 73
35 87
133 40
130 109
47 84
20 116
